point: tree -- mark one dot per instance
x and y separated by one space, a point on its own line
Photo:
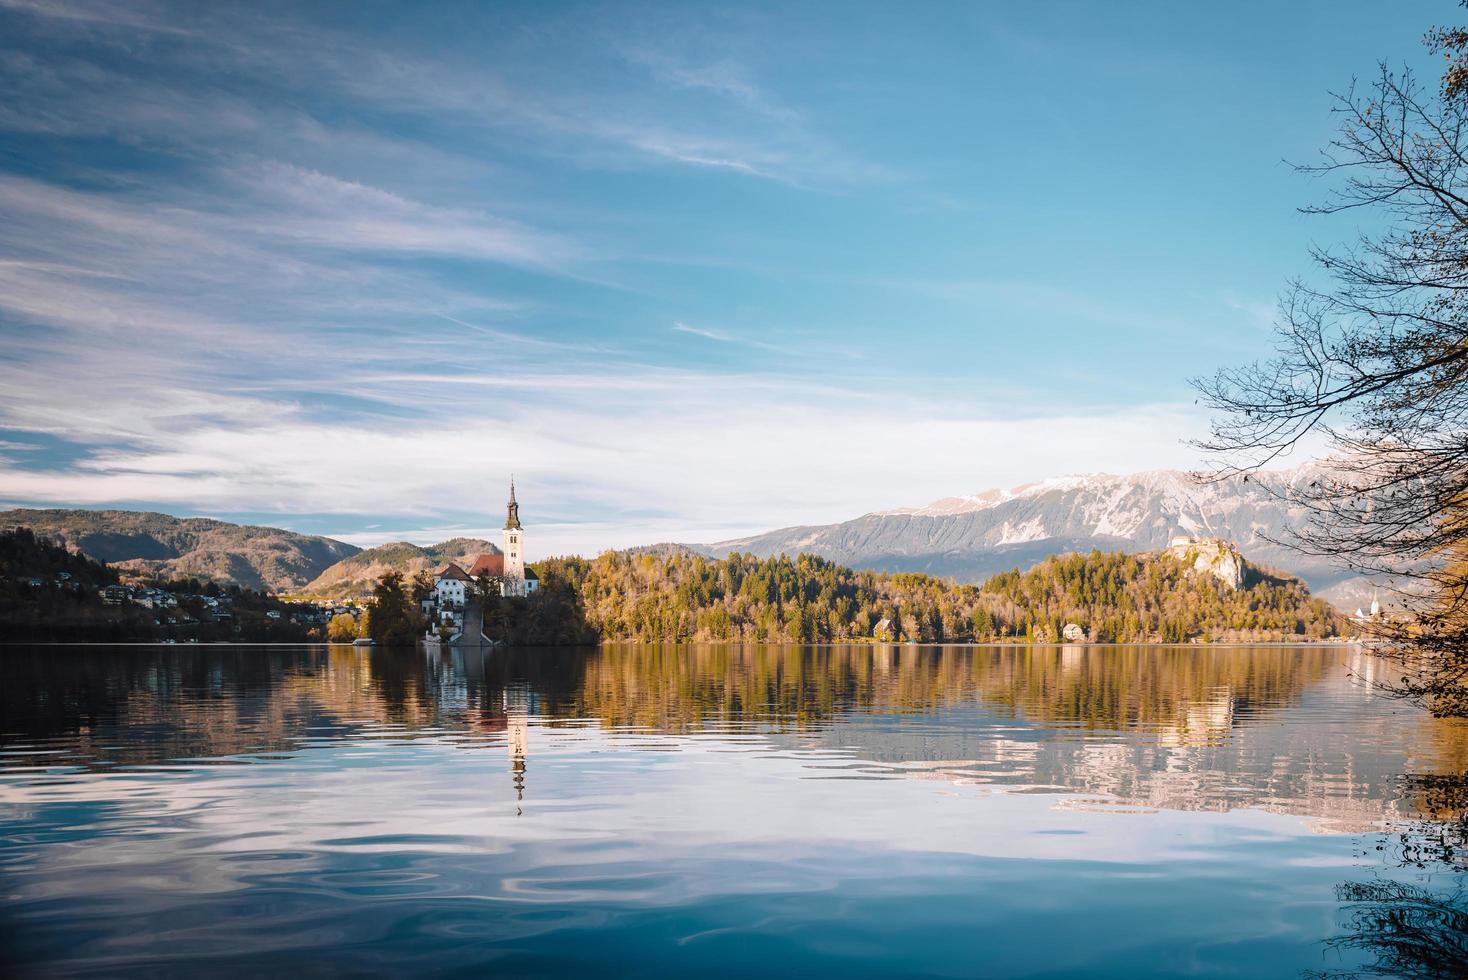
1374 358
342 628
422 588
488 593
393 617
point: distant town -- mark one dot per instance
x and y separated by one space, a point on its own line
70 596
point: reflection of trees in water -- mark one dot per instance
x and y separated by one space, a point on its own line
150 704
662 687
1114 689
1178 728
1174 709
147 704
134 705
1415 930
194 702
143 705
1440 838
1412 932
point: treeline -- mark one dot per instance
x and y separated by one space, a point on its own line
552 615
49 593
1111 597
1124 598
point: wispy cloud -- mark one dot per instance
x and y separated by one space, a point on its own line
313 208
133 16
1261 314
718 335
725 337
725 77
753 134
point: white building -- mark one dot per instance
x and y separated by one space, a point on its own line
451 586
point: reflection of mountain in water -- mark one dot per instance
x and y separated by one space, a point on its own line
1292 730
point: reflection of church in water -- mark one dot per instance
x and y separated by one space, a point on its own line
492 703
517 703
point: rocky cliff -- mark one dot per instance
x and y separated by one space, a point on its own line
1211 556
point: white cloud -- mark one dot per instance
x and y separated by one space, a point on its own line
702 456
254 325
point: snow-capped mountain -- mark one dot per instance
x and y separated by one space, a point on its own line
972 537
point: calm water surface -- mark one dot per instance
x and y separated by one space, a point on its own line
659 811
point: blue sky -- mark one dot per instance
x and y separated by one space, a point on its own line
687 270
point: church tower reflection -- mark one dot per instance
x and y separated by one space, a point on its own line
517 703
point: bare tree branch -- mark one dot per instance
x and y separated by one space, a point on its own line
1376 362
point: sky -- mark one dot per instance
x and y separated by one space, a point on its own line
688 271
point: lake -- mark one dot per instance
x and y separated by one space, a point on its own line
712 810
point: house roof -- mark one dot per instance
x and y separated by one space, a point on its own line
452 572
488 565
530 574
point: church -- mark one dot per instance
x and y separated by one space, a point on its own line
453 586
515 578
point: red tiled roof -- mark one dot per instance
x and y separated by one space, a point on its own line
488 565
452 572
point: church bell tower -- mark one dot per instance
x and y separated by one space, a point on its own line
514 546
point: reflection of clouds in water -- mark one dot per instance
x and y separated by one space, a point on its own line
264 800
1289 730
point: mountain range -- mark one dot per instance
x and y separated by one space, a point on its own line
270 559
265 558
970 538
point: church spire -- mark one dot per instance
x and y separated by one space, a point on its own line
512 517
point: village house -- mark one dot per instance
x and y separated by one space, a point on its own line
451 586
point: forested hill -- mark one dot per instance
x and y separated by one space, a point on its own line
158 545
1113 597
